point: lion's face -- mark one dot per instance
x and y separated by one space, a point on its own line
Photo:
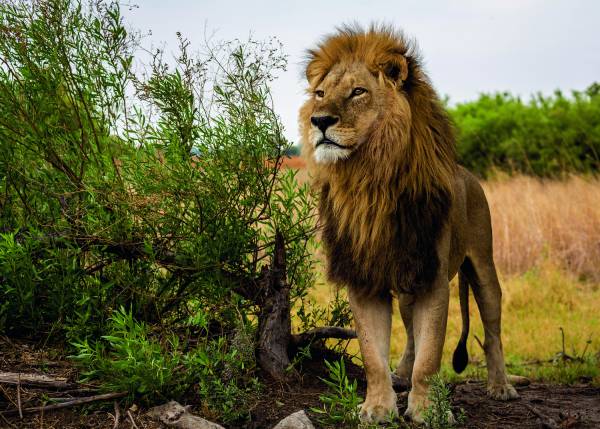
341 111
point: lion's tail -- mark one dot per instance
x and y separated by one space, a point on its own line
460 358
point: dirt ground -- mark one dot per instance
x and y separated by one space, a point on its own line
540 405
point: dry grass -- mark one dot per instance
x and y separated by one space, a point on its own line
535 220
547 250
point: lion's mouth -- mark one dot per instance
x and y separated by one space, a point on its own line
326 141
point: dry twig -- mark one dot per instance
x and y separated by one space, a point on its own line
38 380
324 332
117 414
546 421
74 402
19 397
132 420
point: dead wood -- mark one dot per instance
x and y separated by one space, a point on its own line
19 397
117 414
546 421
275 325
35 380
67 404
322 333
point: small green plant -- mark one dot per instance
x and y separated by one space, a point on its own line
129 359
341 403
438 415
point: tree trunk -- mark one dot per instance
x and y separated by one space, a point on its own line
274 324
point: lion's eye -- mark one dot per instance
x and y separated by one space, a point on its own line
319 93
358 91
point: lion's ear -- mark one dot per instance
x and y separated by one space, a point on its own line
395 68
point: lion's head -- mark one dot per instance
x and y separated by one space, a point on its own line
375 138
370 99
353 83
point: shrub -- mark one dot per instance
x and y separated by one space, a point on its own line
546 136
159 192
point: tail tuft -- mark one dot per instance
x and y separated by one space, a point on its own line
460 358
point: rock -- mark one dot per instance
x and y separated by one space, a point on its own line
175 415
298 420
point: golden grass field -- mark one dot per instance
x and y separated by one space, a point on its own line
547 251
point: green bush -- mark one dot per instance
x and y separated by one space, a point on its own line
546 136
159 191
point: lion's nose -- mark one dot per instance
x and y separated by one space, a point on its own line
323 122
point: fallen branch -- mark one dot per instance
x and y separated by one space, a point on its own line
324 332
67 404
117 415
132 420
546 421
19 397
36 380
80 392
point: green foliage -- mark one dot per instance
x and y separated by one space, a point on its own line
438 415
546 136
130 359
157 190
341 403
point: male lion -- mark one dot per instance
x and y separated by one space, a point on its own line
399 215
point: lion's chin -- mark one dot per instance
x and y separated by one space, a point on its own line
330 154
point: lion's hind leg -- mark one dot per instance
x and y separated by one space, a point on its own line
482 276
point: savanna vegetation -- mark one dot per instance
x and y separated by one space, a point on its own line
146 222
544 136
149 232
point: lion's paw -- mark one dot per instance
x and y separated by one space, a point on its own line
379 408
502 392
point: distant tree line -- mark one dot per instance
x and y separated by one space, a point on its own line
545 136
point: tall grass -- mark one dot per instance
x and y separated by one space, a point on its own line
535 220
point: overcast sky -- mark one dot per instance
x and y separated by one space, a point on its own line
468 46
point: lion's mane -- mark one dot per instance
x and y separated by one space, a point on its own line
383 209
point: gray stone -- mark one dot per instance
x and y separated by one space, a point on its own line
175 415
298 420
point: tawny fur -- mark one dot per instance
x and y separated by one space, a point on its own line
398 214
409 156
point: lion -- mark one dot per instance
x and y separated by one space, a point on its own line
399 215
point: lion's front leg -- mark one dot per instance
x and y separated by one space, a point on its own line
373 321
430 314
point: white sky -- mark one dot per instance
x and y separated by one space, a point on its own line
468 46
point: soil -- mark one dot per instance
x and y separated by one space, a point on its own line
540 405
